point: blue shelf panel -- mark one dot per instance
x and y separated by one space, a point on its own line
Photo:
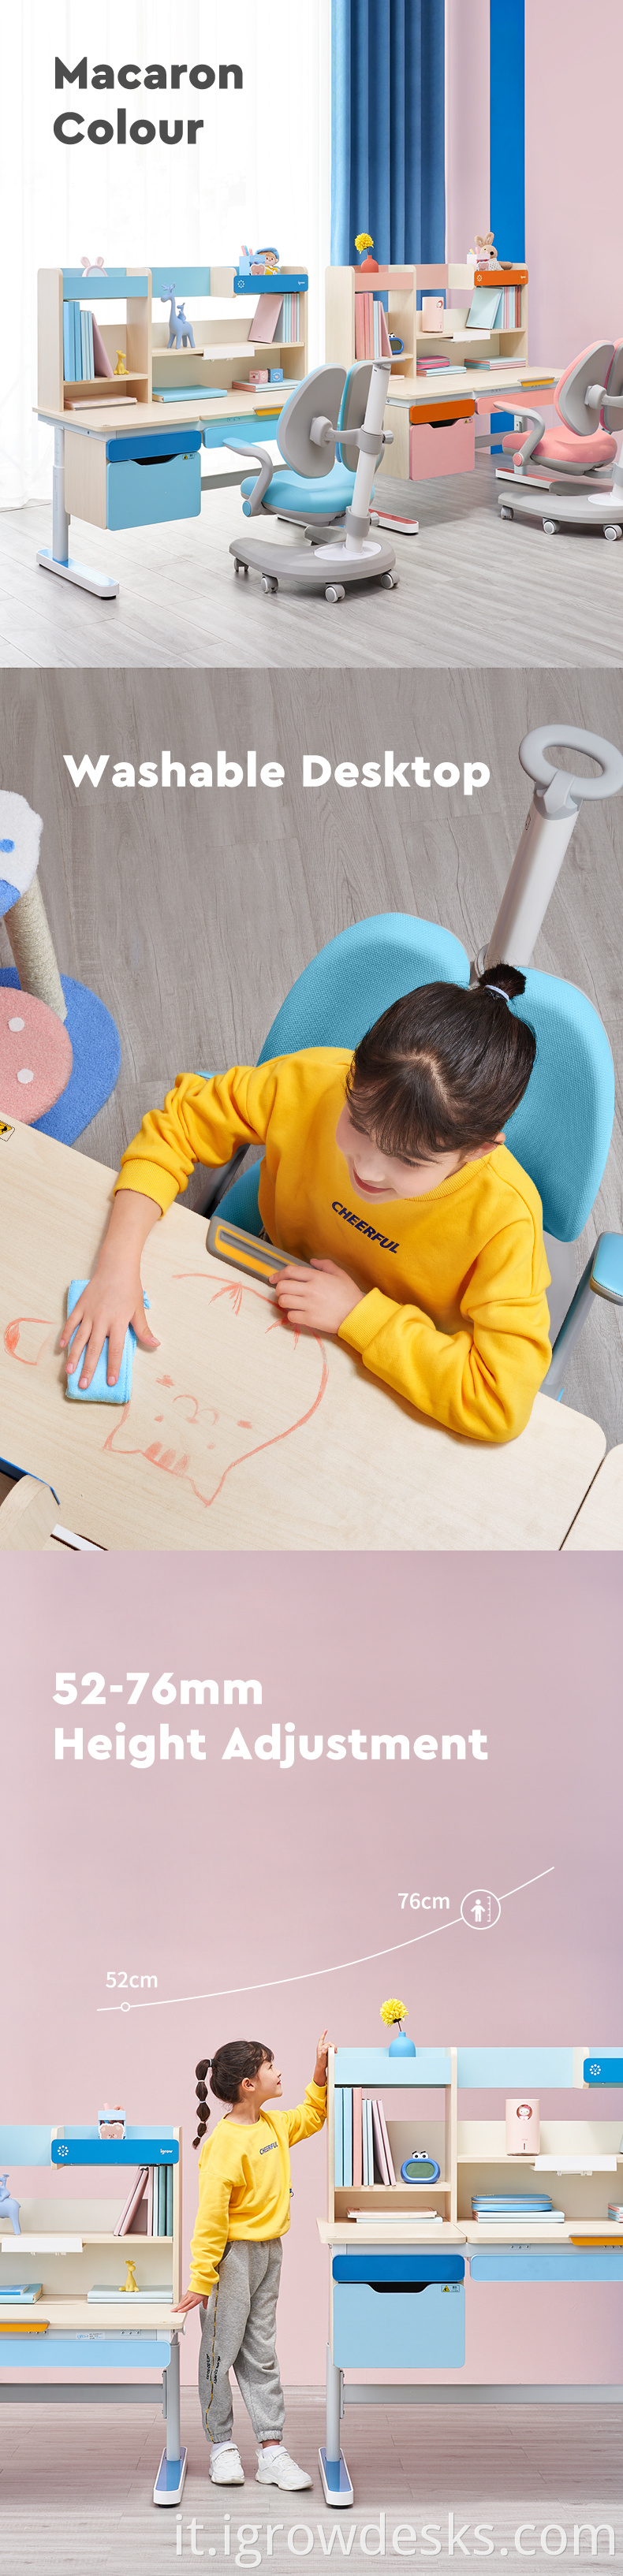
551 2265
515 2070
603 2069
277 284
99 289
24 2144
85 2352
138 2147
187 281
374 2067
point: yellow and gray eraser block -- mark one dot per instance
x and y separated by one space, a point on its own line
245 1251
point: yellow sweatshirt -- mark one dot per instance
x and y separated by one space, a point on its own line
454 1313
244 2180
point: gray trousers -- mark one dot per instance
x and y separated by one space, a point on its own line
239 2334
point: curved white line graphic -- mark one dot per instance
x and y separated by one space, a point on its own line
265 1985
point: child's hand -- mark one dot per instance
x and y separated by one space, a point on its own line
113 1298
322 2052
316 1299
190 2299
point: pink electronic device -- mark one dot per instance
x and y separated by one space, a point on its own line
523 2126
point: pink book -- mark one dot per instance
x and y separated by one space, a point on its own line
101 360
125 2221
379 2143
266 316
391 2170
357 2138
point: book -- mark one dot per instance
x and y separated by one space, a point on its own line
263 325
23 2293
391 2170
150 2200
379 2144
169 2207
126 2214
348 2136
102 364
483 308
122 402
190 393
67 342
357 2137
394 2217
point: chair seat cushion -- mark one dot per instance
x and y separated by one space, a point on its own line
312 497
561 447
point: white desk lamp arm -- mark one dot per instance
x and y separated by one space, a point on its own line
546 835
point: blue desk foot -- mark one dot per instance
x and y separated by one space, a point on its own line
335 2479
98 582
170 2479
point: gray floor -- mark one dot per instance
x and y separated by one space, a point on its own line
76 2482
472 590
191 913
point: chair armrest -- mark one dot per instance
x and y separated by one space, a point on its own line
602 1277
260 457
523 454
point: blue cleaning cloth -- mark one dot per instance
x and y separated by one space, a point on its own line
98 1392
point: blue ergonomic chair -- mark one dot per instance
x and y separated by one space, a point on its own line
561 1131
330 435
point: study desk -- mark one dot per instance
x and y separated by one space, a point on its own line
239 1432
525 386
599 1523
125 469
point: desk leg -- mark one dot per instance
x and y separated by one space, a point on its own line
57 558
172 2470
334 2473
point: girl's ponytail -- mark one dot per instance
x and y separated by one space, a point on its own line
201 2089
507 982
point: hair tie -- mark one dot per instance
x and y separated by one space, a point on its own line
496 988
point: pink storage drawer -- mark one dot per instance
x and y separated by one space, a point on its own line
440 447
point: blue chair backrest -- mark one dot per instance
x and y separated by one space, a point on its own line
560 1134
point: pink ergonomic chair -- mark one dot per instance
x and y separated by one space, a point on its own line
575 462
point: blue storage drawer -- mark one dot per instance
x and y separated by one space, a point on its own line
571 2264
85 2352
399 2312
140 490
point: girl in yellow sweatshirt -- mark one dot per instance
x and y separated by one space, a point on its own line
415 1236
244 2210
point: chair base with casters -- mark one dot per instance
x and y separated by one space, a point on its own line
327 498
560 1134
573 468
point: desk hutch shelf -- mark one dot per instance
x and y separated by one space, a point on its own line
401 286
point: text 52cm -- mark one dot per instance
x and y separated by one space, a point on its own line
119 1977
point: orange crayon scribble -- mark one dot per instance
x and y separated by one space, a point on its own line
181 1466
12 1334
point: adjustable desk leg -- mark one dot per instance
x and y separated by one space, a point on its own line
172 2470
334 2473
57 558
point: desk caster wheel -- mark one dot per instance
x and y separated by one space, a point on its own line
505 513
268 583
389 581
335 591
551 527
612 533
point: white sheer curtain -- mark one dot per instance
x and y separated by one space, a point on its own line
258 173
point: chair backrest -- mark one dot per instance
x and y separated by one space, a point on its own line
319 395
614 383
591 368
560 1134
353 409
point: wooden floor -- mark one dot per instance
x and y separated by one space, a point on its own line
192 913
472 590
76 2483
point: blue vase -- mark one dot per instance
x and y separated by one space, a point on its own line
400 2046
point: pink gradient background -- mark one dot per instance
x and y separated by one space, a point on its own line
574 70
219 1877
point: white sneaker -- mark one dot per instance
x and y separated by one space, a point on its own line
276 2469
226 2468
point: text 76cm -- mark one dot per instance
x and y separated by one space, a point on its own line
428 1903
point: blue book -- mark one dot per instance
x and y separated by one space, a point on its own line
169 2184
23 2293
76 339
190 393
339 2136
348 2136
66 341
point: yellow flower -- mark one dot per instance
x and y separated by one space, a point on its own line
393 2010
364 241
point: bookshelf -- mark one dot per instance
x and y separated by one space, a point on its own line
430 2079
402 286
223 349
69 2246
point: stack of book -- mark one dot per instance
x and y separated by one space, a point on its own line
21 2293
78 355
362 2150
615 2210
495 2208
148 2210
371 332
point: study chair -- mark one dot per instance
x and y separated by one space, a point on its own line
560 1134
330 435
575 462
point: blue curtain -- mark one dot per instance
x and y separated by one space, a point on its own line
387 129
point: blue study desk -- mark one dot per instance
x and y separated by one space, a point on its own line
70 2246
138 468
398 2282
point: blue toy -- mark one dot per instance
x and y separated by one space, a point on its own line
420 2167
180 331
9 2208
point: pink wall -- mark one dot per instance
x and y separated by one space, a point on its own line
252 1882
467 124
574 72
